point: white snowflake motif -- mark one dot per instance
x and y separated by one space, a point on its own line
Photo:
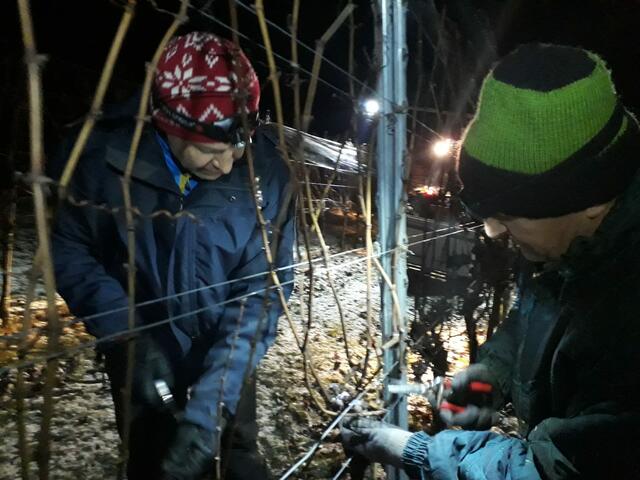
186 59
180 108
196 40
211 109
182 83
171 51
219 84
211 58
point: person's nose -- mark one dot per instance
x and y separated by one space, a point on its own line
223 163
226 165
494 228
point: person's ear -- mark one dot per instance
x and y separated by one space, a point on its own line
238 152
494 228
597 211
177 146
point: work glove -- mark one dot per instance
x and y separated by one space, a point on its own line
472 400
191 453
375 440
152 375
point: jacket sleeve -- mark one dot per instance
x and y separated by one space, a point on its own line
81 278
243 339
468 455
596 439
597 444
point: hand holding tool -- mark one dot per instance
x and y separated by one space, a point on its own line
152 375
469 399
191 454
375 440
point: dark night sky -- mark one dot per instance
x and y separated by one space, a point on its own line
76 35
608 27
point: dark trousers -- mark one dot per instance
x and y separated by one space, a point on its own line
151 431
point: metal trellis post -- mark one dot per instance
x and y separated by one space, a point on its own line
391 201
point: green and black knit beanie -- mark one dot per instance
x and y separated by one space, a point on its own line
549 137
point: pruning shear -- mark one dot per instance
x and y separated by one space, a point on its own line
438 392
168 401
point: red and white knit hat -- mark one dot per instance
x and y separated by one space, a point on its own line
196 86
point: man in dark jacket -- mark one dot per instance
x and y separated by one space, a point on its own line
202 284
551 159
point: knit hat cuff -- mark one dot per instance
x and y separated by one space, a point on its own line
171 128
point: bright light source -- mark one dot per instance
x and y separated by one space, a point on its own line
427 190
442 148
371 107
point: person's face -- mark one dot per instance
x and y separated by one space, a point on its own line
546 239
539 240
207 161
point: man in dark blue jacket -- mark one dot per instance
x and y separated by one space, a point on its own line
551 159
202 284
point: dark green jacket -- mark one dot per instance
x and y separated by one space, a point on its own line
568 357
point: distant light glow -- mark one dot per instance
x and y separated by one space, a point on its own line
428 190
442 148
371 107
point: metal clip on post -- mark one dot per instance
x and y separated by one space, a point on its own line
434 389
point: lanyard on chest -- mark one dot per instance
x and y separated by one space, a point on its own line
183 180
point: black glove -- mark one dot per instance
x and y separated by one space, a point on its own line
473 399
191 453
375 440
358 466
151 369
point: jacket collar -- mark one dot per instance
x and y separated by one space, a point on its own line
149 166
617 235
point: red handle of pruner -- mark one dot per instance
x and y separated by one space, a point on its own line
452 407
481 387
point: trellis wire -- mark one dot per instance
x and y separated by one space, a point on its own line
309 454
348 461
8 338
146 327
273 282
302 69
332 64
141 328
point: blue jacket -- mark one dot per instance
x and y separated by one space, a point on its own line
568 358
177 255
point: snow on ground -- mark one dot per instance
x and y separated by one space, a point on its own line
85 442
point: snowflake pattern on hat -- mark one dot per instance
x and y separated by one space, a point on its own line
211 110
195 40
196 77
211 59
181 83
